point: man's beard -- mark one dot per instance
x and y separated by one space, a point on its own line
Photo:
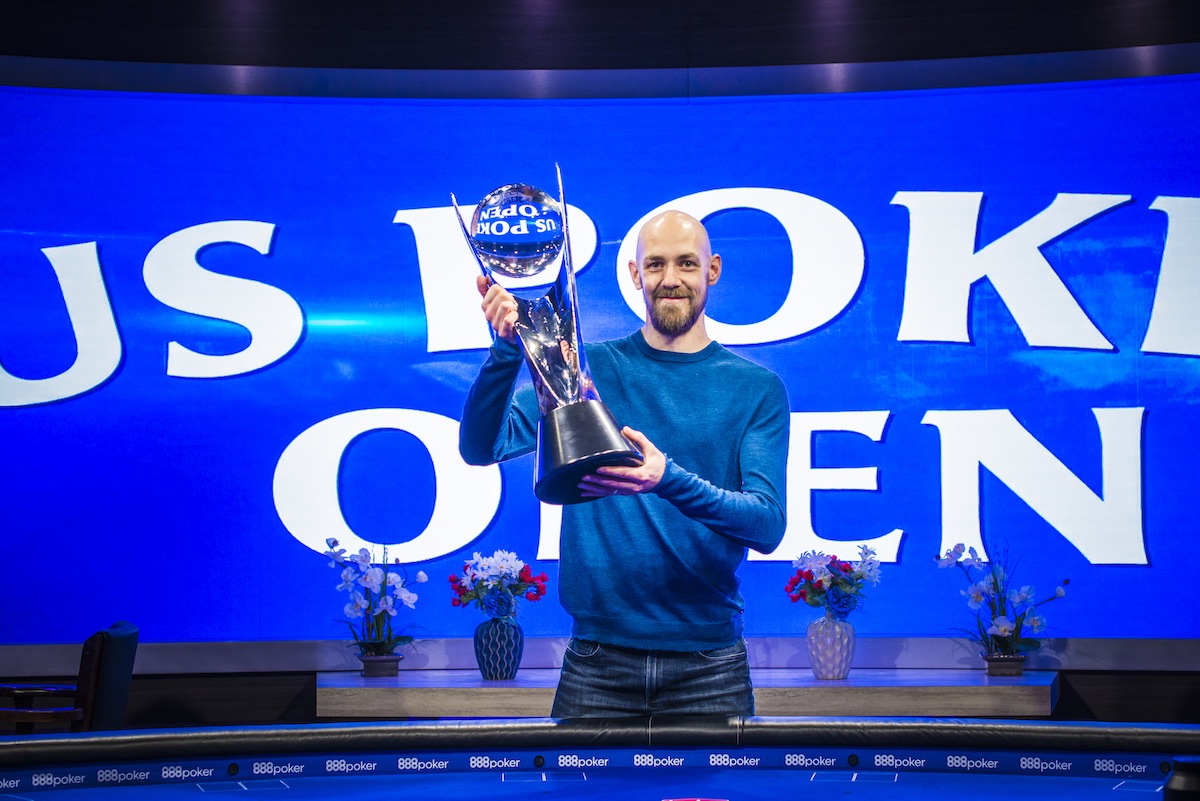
673 319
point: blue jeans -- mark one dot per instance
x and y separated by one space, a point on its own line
607 681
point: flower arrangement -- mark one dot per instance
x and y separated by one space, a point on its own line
495 583
374 593
1002 614
827 581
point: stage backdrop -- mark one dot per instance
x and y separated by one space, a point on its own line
231 327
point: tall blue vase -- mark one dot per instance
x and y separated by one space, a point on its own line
499 643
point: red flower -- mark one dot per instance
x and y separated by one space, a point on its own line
532 595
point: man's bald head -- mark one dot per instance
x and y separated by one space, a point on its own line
671 224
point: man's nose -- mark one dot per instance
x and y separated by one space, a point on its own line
670 276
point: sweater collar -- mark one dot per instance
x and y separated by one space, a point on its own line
669 355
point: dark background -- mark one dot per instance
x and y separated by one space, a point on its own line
575 35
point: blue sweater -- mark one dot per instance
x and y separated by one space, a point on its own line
657 571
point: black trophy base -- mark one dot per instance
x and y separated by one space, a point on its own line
1183 781
574 440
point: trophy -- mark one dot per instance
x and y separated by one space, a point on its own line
518 232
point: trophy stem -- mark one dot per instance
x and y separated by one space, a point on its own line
574 440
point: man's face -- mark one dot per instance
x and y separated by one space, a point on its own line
674 270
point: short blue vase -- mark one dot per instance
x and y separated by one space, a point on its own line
499 643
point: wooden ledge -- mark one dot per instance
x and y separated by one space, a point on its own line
777 691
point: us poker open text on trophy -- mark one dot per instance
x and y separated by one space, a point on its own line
518 231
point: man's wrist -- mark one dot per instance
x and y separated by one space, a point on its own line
671 476
506 351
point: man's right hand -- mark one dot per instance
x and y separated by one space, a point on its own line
499 307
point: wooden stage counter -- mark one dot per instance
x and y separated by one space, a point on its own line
786 692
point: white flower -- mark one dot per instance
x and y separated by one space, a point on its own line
395 580
973 561
509 561
952 556
811 560
1021 596
356 606
992 585
421 577
868 565
348 577
406 597
385 605
372 579
976 594
335 557
362 559
1001 627
1035 622
491 570
1060 592
499 566
818 564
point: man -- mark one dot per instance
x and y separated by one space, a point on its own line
648 568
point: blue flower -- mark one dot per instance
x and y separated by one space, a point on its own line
499 603
840 602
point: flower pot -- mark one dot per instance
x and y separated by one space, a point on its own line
830 644
499 643
1005 664
380 666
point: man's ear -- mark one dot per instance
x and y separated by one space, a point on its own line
635 275
714 269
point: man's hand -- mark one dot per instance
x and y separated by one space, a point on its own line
616 480
499 307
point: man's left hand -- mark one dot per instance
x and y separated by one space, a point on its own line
617 480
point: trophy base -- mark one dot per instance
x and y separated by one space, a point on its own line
574 440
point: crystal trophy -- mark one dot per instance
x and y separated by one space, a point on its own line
518 232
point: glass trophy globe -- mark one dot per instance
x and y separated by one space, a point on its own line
517 231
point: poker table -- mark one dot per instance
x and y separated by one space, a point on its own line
635 759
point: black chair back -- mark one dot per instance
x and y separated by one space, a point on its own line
97 698
109 674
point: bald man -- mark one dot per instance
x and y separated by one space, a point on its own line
648 570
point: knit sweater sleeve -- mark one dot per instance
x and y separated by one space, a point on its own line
498 423
755 515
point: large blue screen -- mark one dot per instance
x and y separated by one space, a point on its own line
231 327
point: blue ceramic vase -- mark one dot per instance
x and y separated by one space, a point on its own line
499 643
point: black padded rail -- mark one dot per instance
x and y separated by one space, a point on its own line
154 744
536 733
985 734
